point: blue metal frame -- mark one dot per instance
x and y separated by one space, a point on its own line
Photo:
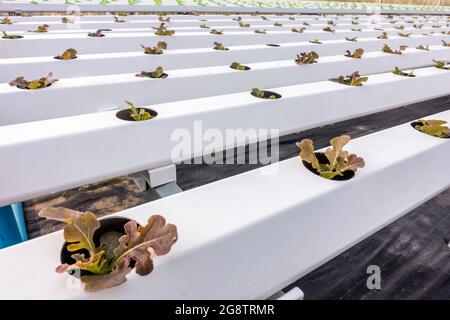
12 225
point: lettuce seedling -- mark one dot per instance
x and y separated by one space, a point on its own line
384 35
399 72
316 41
41 83
109 262
433 128
328 29
138 114
11 36
387 49
243 25
238 66
331 23
299 30
41 29
339 161
116 19
441 64
66 20
355 22
357 54
204 26
6 20
217 32
237 19
352 80
97 34
378 29
404 35
356 30
264 18
278 24
262 94
160 46
219 46
305 23
354 39
69 54
400 27
418 26
163 31
291 18
445 44
307 58
157 74
262 31
421 47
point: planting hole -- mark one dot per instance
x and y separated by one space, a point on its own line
125 114
347 175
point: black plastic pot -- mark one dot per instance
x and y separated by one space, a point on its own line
267 94
125 114
418 123
58 58
347 175
109 224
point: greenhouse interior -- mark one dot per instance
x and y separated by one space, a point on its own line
225 150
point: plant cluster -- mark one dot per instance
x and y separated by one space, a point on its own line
69 54
6 20
354 39
357 30
41 29
433 128
108 262
339 161
278 24
384 35
352 80
328 29
204 26
219 46
387 49
238 66
138 114
259 93
357 54
66 20
316 41
163 31
116 19
298 30
399 72
307 58
11 36
441 64
97 34
158 49
404 35
158 73
421 47
41 83
243 25
216 32
262 31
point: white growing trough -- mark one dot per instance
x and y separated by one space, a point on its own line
68 135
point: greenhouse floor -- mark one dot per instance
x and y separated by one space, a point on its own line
411 252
